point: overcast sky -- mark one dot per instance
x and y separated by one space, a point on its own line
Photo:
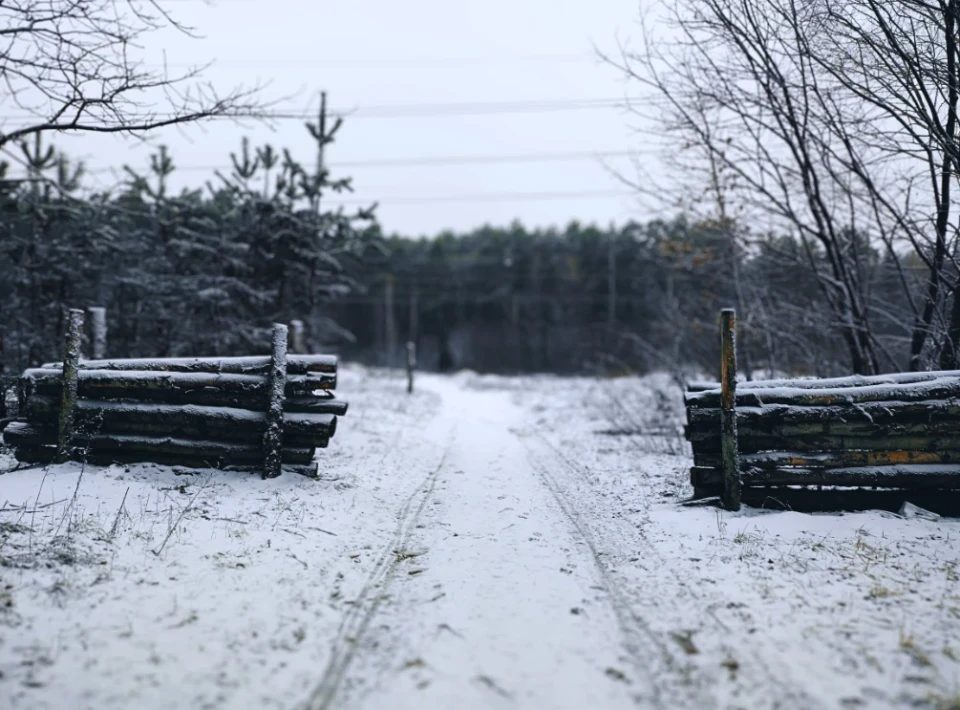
425 55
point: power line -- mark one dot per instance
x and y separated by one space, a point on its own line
417 110
438 161
379 63
489 197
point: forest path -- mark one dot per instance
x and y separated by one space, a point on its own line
490 595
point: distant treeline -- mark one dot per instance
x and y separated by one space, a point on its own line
205 272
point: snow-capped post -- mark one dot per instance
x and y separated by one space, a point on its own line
728 409
411 364
68 378
296 337
98 332
277 379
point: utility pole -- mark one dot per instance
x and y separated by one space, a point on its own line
321 145
390 323
612 281
414 315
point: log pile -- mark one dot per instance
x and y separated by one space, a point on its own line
893 432
260 413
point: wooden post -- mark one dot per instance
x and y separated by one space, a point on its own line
296 337
728 409
277 377
390 323
68 398
411 364
98 332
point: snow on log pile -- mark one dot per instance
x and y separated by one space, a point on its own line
265 414
896 432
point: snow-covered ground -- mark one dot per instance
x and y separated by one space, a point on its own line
487 542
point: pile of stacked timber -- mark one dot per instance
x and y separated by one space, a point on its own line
266 413
898 432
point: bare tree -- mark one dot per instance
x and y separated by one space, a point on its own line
899 61
73 65
739 88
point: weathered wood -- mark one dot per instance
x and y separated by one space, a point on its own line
831 382
41 455
831 459
249 365
937 388
68 379
20 434
865 430
98 332
318 405
191 421
140 384
755 444
273 435
887 476
728 416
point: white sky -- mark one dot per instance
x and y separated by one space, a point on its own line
376 53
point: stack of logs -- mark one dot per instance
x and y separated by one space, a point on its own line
266 414
898 433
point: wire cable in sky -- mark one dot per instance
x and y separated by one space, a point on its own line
415 110
434 161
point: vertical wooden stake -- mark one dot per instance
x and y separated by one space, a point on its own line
98 332
68 396
411 364
728 409
277 380
297 345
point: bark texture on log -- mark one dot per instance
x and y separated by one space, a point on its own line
140 384
43 455
249 365
273 436
728 415
227 423
936 388
25 434
892 476
68 380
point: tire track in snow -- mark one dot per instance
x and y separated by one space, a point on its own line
639 639
365 606
791 695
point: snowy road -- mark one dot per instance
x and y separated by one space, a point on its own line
496 599
487 543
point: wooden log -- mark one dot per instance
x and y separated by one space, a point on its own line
98 332
68 378
831 459
190 421
24 434
140 384
728 415
832 382
273 435
42 455
754 444
944 476
922 425
318 405
248 365
939 388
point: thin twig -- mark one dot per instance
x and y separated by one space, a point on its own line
182 513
